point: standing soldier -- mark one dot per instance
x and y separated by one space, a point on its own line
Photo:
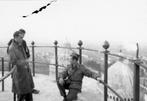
22 78
71 78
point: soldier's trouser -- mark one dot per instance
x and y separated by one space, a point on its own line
62 89
72 95
25 97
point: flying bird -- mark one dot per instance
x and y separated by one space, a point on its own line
24 16
44 7
37 11
48 4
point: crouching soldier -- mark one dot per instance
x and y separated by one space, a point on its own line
71 78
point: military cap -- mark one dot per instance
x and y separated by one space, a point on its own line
16 34
74 54
22 30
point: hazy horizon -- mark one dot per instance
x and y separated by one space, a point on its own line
72 20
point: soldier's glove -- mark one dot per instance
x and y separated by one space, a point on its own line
99 79
138 61
61 81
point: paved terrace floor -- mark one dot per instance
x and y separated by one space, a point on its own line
49 91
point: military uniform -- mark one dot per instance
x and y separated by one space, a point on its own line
73 80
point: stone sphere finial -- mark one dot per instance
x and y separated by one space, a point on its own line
80 43
106 45
56 42
33 43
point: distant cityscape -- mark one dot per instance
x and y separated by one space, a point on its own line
94 60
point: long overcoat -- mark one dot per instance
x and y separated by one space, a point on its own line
21 77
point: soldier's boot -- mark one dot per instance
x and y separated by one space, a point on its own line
64 99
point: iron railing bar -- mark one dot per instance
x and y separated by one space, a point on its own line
117 55
132 60
67 47
90 49
111 89
42 63
42 46
7 75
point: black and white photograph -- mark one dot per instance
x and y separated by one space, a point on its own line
73 50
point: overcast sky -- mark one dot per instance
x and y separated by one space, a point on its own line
73 20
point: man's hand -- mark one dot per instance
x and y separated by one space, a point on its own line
138 61
61 81
99 79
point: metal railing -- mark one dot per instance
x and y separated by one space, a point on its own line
106 53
